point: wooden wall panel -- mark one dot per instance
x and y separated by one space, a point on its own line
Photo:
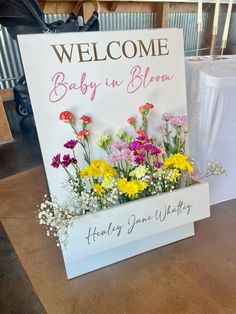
57 6
117 6
5 132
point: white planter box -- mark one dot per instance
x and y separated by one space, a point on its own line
112 235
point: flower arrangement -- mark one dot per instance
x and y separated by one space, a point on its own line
137 166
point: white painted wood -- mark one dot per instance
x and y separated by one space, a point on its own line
79 83
111 106
90 263
112 235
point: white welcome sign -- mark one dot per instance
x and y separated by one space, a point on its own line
106 75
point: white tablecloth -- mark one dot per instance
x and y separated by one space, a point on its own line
211 99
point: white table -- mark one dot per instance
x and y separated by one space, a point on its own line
211 99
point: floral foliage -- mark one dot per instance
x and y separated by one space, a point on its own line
138 165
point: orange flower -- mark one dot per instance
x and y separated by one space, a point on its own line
142 109
81 135
131 121
66 116
140 132
149 106
86 119
145 107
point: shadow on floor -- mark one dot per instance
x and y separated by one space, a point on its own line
17 294
24 152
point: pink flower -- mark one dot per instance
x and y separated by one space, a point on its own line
86 119
194 175
119 152
119 145
113 158
83 134
119 155
167 116
178 120
160 128
66 116
131 121
162 150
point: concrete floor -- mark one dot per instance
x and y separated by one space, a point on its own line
193 276
16 292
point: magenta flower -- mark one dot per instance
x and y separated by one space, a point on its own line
139 159
136 147
152 149
73 160
142 147
56 161
138 151
157 164
66 161
143 139
70 144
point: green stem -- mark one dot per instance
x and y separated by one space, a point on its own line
68 173
73 127
127 168
77 166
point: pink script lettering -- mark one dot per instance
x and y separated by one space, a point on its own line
113 83
143 79
61 87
